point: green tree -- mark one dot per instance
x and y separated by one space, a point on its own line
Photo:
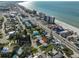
68 51
1 35
25 32
42 48
26 51
49 48
14 37
1 19
34 50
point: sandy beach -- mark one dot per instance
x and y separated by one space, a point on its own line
63 24
67 26
26 4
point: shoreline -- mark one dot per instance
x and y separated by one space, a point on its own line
61 23
67 26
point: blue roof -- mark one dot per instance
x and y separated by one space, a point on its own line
35 33
4 50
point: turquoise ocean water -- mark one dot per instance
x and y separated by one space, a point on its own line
67 12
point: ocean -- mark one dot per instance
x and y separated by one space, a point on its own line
67 12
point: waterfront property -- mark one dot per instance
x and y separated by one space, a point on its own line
28 36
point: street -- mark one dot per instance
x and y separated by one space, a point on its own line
63 40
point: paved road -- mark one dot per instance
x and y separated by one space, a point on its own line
4 39
20 23
22 11
63 40
36 55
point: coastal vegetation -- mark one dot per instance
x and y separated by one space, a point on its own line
68 51
34 50
47 49
1 21
1 35
23 39
1 18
